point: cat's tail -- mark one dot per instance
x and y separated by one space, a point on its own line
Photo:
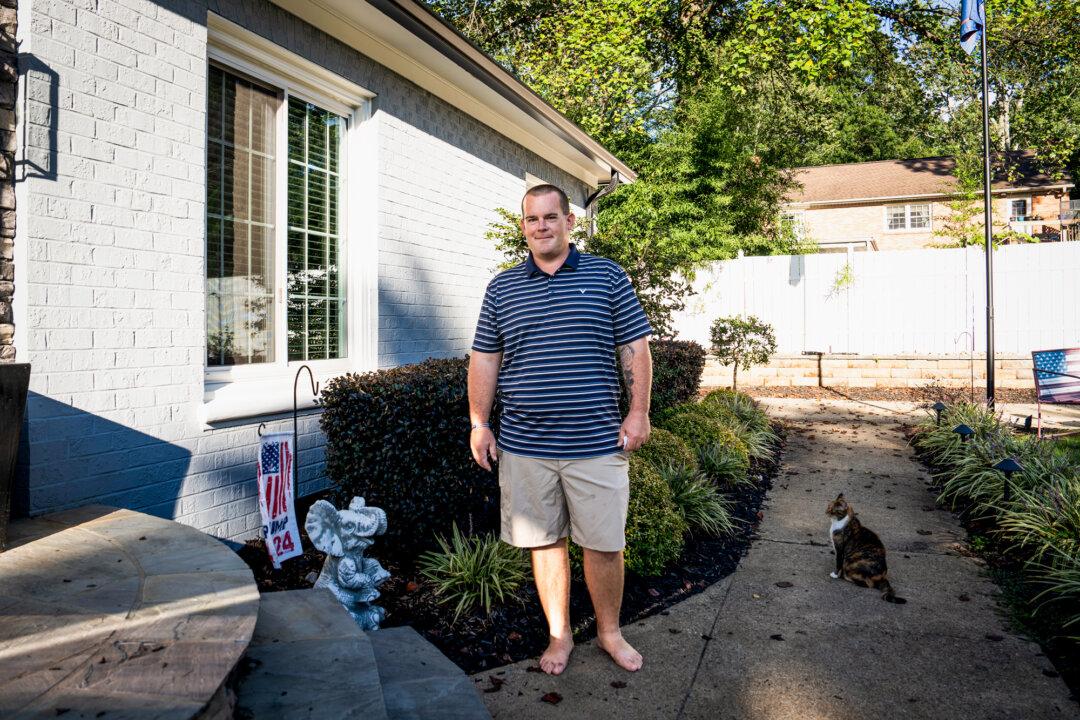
889 595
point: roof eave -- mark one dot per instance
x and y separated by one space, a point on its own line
474 83
926 196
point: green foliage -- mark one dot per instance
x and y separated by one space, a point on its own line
677 368
725 468
400 439
698 430
1040 521
705 510
742 342
654 526
474 571
663 447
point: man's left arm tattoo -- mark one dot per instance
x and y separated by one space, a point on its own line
626 356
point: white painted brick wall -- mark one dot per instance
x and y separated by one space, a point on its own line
114 241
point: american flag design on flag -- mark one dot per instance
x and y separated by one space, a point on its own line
275 477
1057 375
276 495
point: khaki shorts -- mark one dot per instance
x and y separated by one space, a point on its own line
546 500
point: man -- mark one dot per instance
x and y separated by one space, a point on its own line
546 339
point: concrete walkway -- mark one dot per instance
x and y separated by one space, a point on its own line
779 639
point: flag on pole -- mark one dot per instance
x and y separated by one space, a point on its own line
972 19
276 495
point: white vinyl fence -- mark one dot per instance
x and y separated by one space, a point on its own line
913 302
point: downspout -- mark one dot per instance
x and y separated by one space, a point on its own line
601 191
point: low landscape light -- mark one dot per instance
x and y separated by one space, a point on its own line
1008 466
938 407
964 432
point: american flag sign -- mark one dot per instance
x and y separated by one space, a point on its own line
1057 375
276 495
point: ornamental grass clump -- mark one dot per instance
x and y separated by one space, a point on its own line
741 405
474 571
663 447
699 431
1044 519
654 526
705 510
726 469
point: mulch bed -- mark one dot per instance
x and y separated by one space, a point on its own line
516 631
925 394
1005 566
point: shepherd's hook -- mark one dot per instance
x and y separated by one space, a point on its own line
295 434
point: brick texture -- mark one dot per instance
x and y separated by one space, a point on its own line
115 265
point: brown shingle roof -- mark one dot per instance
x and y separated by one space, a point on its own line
905 178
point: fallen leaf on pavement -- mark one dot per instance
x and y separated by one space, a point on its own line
552 697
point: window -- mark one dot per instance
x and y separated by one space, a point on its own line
1018 210
291 224
795 222
242 277
240 272
908 217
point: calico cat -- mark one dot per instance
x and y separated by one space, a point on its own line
860 554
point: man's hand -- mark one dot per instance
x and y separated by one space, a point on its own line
482 442
634 431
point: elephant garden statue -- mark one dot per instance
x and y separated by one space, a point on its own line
344 535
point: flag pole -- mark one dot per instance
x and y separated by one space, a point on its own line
989 224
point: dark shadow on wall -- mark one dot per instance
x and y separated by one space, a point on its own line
35 161
414 324
78 458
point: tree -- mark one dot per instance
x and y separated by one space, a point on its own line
742 342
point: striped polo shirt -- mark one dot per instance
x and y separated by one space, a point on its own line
558 383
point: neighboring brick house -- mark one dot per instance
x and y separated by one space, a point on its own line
218 192
900 204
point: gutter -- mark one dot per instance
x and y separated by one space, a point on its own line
927 196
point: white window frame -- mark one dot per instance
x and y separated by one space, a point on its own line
238 391
907 218
797 218
1027 208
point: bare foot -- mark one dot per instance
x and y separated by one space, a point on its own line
620 651
554 659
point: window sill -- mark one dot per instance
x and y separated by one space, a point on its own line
225 400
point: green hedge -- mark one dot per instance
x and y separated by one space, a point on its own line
677 368
400 438
663 447
698 431
654 525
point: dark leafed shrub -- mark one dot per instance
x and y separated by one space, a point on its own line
400 439
677 367
654 525
663 448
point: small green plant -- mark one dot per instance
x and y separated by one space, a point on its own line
725 468
654 526
704 509
471 571
744 407
698 431
844 280
663 447
742 342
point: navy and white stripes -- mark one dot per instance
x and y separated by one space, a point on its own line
558 333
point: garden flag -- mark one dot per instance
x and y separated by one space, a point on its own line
276 495
972 19
1057 375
